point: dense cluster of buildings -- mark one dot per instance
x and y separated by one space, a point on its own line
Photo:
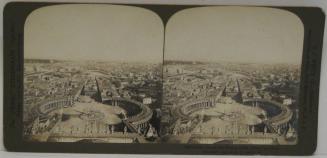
204 100
269 88
53 89
44 83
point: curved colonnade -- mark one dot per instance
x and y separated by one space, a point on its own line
135 120
183 111
279 121
138 119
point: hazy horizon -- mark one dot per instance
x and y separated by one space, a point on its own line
163 62
228 61
96 60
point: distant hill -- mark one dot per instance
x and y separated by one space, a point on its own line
40 61
173 62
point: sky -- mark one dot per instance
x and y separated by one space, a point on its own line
124 33
94 32
235 34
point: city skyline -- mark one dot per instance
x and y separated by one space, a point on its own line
95 60
163 62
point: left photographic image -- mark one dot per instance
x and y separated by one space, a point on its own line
92 73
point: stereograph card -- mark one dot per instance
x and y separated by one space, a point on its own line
161 79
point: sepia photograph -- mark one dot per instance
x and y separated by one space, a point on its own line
176 79
232 76
118 74
92 74
162 78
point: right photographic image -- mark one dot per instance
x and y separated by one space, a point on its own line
231 75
